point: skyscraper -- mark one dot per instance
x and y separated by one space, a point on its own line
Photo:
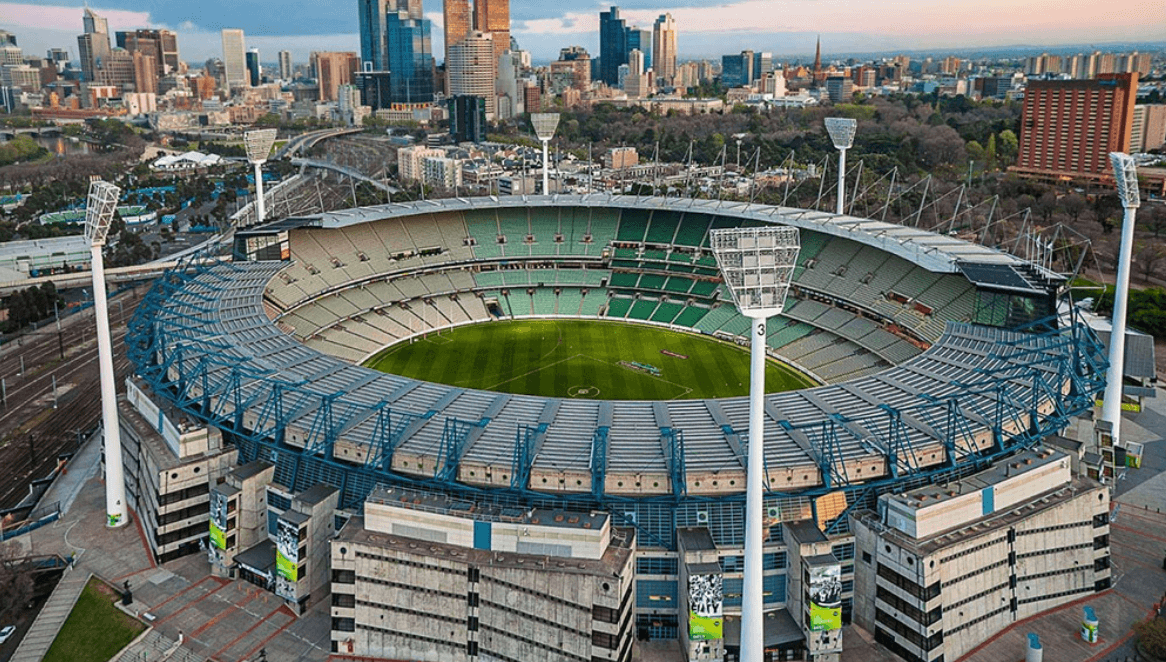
1069 127
613 47
234 59
373 42
162 45
253 67
410 58
664 49
458 23
334 70
471 68
637 39
93 45
493 16
285 65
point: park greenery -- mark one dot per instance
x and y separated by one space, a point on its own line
95 630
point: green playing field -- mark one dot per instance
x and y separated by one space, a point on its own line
583 359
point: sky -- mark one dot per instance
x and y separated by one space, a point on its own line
706 30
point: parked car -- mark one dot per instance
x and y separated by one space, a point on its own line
6 632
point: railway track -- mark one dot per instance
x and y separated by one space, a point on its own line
34 433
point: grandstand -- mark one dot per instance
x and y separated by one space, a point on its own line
861 314
930 369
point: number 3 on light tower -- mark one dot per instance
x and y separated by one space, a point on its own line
760 329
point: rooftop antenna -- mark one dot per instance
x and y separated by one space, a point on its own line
99 211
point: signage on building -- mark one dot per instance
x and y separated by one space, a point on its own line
706 599
218 520
825 598
287 551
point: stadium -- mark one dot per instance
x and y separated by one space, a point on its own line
931 357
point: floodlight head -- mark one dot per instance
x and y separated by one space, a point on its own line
99 211
544 125
1126 174
841 130
258 144
757 264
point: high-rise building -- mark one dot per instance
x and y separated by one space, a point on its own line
334 70
737 70
840 89
509 99
458 23
1149 127
234 58
493 16
471 68
117 70
762 64
253 67
162 45
1069 127
580 61
636 63
372 15
145 73
641 40
664 49
410 55
93 44
93 23
7 38
467 117
285 65
613 50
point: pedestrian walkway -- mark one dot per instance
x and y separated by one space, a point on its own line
48 623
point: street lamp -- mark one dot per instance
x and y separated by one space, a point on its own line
757 265
99 211
1126 175
841 131
544 127
258 144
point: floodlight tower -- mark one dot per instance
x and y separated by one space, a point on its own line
757 265
258 144
1126 175
841 131
102 203
544 127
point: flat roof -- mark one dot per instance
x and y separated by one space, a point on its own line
806 531
780 628
928 495
252 468
447 505
695 539
260 557
316 494
613 560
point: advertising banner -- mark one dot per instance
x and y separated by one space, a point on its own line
287 551
825 598
218 523
706 599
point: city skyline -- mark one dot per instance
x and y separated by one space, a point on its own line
543 29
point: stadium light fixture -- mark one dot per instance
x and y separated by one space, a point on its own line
757 265
544 127
258 145
841 130
1126 174
100 207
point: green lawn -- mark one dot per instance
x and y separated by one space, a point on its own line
582 359
95 630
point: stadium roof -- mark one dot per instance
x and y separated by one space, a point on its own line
935 252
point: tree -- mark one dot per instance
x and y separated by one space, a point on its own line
1009 146
1152 636
1149 257
1155 216
16 581
1073 204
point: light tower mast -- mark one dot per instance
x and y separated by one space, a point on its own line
757 265
101 205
